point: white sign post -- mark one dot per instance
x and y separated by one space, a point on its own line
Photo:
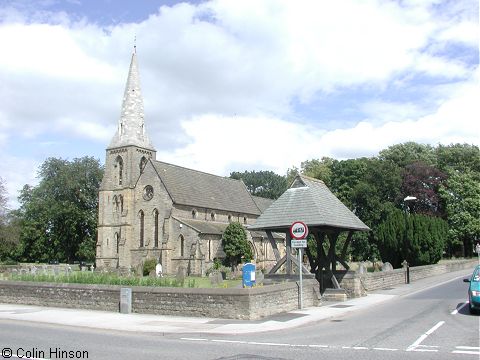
299 233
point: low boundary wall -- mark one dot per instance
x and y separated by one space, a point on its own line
247 304
359 284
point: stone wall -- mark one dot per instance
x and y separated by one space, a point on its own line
359 284
250 304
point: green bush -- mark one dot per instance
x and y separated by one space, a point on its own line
148 266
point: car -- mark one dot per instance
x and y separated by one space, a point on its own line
474 291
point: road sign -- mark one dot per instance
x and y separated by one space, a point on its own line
299 243
299 230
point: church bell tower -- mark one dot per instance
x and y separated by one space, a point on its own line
126 156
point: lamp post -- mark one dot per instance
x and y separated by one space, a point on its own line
405 263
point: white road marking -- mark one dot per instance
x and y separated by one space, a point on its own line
385 349
194 339
417 343
469 350
416 346
466 352
318 346
455 312
228 341
267 343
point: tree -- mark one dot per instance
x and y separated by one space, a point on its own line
9 226
321 170
417 238
423 182
408 153
460 157
59 215
235 245
461 195
265 184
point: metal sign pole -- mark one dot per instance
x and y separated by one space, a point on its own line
300 274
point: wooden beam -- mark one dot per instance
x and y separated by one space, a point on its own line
304 268
273 242
344 250
288 266
278 264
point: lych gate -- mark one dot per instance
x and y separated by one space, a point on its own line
310 201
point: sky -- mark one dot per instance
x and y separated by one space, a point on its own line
236 85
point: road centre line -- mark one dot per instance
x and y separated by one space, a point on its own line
385 349
466 352
417 343
469 350
455 312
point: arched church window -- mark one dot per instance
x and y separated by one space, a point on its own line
117 241
182 245
115 203
229 218
119 166
244 219
194 214
143 163
155 234
212 216
142 227
120 197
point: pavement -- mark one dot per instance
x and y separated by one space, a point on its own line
177 324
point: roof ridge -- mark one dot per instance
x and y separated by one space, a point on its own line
311 178
197 171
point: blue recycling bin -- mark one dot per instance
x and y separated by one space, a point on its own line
248 275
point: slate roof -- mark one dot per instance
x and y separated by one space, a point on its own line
262 203
205 227
198 189
308 200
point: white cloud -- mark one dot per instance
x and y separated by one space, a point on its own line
221 145
239 70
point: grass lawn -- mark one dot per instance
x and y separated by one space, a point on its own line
83 277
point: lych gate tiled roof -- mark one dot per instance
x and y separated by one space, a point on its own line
308 200
202 190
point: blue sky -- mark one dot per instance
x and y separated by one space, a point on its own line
236 85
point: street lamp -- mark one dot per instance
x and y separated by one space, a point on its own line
405 263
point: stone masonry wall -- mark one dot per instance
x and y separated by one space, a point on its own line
358 284
251 303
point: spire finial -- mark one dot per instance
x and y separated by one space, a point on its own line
135 44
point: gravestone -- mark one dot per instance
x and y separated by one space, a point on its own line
33 270
44 269
387 266
56 270
362 268
181 274
216 278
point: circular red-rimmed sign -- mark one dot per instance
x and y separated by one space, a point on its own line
299 230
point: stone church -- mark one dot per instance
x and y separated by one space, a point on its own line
152 209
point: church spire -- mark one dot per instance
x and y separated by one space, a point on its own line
131 127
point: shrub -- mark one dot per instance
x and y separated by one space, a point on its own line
148 266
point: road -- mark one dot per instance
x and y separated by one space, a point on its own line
430 324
